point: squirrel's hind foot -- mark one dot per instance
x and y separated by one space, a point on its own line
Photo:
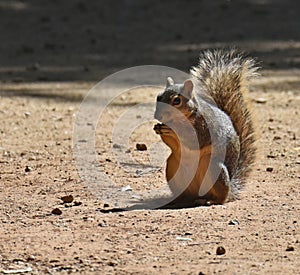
180 203
205 202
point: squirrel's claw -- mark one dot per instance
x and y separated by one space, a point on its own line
162 129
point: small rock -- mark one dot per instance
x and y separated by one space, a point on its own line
220 250
260 100
269 169
18 260
17 271
234 222
111 263
183 239
59 118
67 199
290 248
147 171
88 219
126 188
77 203
102 224
28 169
30 258
27 114
116 146
56 211
141 147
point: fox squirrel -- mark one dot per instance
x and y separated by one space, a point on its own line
212 101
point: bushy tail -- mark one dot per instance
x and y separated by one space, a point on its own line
225 75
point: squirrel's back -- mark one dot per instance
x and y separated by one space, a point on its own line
224 75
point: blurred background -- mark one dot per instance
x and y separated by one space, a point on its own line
85 40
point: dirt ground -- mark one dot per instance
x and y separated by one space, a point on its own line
39 98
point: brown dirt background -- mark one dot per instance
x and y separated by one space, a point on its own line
53 52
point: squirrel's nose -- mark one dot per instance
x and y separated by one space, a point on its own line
159 98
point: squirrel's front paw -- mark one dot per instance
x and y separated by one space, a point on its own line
162 129
157 127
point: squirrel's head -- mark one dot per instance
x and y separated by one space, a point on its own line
175 97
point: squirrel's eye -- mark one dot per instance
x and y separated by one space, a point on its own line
176 100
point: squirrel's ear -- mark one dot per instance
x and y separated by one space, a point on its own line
188 87
170 81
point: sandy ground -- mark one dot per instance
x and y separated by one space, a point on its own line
260 232
52 54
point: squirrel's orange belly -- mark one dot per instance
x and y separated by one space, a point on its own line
179 183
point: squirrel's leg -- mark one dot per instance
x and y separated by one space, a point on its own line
218 177
170 138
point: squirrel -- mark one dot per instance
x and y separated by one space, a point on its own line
213 102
